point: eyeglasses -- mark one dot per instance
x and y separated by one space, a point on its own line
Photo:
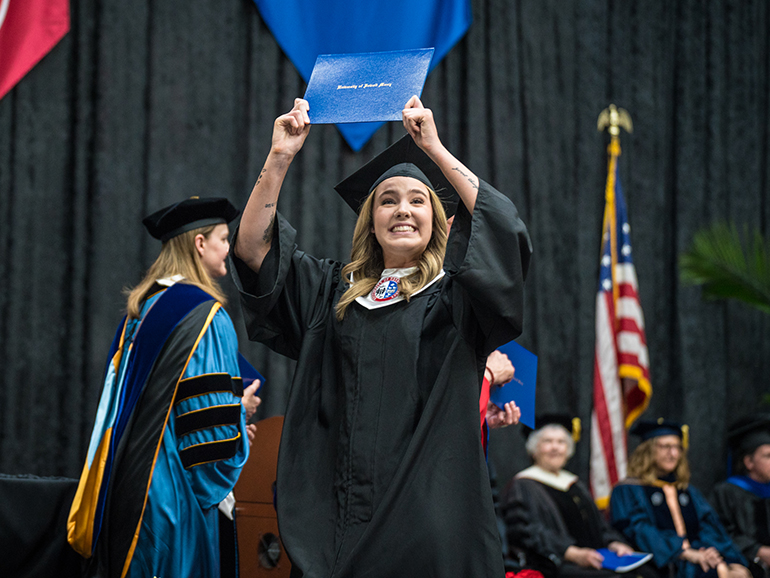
669 447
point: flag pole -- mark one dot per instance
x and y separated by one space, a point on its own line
621 388
613 118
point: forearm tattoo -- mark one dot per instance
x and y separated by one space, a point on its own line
268 234
467 177
259 178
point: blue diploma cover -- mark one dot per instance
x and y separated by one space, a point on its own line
521 389
623 563
249 374
365 87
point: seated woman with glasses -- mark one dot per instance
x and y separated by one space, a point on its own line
657 509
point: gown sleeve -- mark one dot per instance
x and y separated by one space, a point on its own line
631 515
216 353
488 256
290 294
711 531
532 524
735 509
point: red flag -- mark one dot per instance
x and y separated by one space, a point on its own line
622 387
29 29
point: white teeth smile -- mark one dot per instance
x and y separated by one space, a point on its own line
402 229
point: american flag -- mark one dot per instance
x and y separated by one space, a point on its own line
622 387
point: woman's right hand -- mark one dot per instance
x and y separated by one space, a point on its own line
585 557
250 400
500 367
291 129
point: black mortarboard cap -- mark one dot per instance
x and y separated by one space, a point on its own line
192 213
402 158
749 432
648 429
572 424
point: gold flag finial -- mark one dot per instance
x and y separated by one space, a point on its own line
615 118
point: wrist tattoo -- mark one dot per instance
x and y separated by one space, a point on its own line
467 177
259 178
269 205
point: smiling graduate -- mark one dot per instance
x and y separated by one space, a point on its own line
381 471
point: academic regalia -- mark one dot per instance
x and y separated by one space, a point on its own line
546 513
743 503
169 418
642 514
743 506
381 472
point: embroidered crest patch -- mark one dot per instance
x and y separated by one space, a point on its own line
386 289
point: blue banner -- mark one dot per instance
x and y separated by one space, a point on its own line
306 28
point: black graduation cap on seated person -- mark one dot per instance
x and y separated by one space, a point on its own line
572 424
192 213
748 433
401 159
648 429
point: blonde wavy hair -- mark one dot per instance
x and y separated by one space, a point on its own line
367 262
178 256
641 465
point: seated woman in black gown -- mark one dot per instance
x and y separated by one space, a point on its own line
550 515
657 509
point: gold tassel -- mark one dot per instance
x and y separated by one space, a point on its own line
685 436
576 426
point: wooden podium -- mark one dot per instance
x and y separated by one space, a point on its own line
260 551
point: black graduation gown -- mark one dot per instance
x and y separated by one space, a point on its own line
745 516
535 524
381 472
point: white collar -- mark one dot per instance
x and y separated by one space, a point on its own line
169 281
561 481
386 290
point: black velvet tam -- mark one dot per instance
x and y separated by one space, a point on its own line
648 429
568 422
192 213
401 159
749 432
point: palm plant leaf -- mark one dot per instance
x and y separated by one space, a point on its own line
718 261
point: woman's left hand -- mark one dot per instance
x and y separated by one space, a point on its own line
620 548
498 418
251 432
419 123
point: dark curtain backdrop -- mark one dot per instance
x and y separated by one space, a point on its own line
144 103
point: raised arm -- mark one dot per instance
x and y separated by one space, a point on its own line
419 123
256 230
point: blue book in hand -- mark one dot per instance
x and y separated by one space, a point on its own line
365 87
622 563
249 374
521 389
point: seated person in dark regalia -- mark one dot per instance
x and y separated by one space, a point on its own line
743 501
550 515
657 509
